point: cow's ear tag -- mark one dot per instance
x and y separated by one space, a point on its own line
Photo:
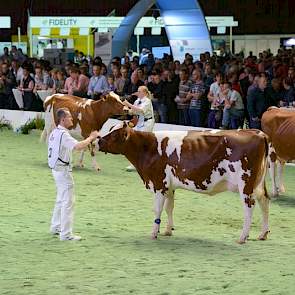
130 124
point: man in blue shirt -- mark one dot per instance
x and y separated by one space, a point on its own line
98 83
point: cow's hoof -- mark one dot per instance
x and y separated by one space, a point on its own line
263 236
79 166
168 230
168 233
154 237
275 193
241 242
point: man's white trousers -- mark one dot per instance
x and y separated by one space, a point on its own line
63 212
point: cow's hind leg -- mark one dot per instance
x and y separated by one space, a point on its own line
248 205
158 208
169 206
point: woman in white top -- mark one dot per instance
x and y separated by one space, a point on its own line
143 109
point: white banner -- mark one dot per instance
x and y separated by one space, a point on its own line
194 47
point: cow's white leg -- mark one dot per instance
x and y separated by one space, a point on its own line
272 161
272 173
169 206
263 202
80 161
248 205
158 208
94 163
280 176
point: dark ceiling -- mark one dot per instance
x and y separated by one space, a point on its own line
254 16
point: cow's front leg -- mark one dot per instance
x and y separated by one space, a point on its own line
280 176
169 206
158 208
272 173
272 161
248 205
92 153
80 161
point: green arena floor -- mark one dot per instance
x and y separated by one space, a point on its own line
114 216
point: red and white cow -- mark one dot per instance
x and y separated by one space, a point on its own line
206 162
279 125
88 115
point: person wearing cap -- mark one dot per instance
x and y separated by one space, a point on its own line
60 147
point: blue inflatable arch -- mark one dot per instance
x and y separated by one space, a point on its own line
185 26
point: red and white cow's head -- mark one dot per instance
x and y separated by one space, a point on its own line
113 104
115 141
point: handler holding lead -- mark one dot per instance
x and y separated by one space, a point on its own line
60 146
143 109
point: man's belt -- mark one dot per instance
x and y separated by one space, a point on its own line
65 163
146 119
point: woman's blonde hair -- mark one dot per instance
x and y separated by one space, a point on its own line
146 91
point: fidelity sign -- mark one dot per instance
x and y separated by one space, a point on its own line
62 22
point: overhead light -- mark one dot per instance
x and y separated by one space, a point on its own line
42 38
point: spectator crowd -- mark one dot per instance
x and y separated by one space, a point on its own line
227 92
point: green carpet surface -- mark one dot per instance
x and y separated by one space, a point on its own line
113 214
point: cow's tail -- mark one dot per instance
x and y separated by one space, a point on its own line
261 192
49 118
266 157
265 164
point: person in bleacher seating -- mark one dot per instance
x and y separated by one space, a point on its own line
26 87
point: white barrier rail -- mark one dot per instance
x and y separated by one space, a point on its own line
19 118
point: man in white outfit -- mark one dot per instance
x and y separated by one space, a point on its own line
60 147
